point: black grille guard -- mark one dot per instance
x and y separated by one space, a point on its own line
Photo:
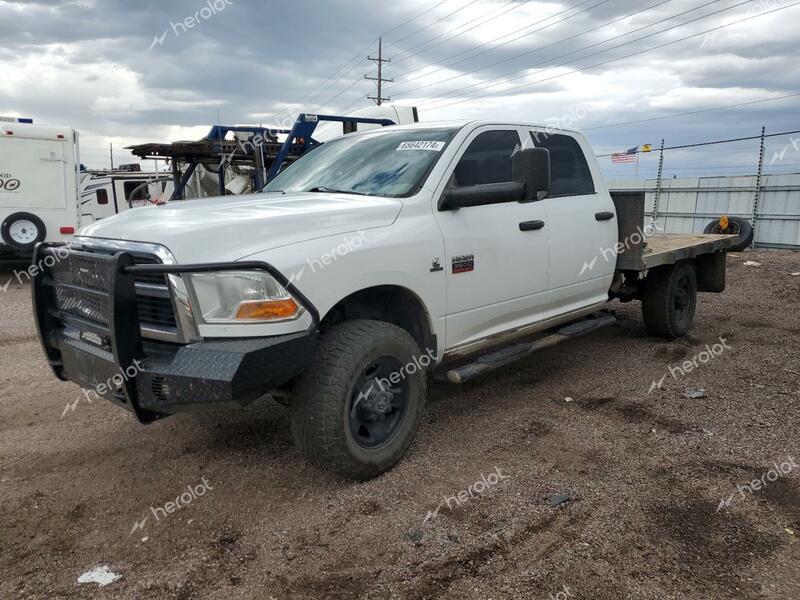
122 327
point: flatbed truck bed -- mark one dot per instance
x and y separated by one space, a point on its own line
668 248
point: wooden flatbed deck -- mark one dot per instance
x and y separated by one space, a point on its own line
669 248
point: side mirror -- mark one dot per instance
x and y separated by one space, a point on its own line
481 195
532 166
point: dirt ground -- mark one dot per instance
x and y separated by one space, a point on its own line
654 509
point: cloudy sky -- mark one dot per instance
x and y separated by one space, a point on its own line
132 72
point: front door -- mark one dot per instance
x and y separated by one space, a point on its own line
496 255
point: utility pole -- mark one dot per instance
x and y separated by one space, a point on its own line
379 79
111 152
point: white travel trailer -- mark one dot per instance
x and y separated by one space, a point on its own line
106 193
38 184
44 196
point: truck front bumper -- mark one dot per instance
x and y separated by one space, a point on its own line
87 319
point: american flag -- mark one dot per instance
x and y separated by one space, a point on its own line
630 155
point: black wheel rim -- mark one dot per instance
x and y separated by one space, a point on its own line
732 229
378 403
683 298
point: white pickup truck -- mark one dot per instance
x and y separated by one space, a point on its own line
368 262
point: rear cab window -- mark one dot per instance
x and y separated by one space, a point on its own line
570 173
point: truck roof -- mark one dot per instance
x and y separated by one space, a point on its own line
459 123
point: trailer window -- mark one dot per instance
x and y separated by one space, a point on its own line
102 197
570 174
385 163
141 194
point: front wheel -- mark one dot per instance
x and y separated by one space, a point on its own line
357 407
669 300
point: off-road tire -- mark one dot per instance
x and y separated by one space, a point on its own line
661 290
321 399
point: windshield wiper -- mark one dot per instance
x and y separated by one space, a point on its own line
327 190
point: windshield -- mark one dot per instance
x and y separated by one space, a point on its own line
384 163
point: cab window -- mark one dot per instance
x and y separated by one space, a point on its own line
487 159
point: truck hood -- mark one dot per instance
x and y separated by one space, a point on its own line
232 227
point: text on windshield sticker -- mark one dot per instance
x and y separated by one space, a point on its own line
434 146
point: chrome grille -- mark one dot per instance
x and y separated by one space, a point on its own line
153 300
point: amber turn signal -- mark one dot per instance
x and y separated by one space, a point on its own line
267 310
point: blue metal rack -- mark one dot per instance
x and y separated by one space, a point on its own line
262 150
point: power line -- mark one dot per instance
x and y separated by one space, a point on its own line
482 20
602 63
694 112
333 78
628 16
504 78
447 16
396 41
506 35
423 13
714 142
421 29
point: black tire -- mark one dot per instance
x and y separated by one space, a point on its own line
329 401
736 225
38 229
669 300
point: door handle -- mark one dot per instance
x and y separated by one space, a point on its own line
531 225
604 216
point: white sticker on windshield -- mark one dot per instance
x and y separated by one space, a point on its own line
434 146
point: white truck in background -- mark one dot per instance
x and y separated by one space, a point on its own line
370 259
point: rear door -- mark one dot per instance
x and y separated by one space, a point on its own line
583 225
496 272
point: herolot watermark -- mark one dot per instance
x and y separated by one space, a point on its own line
343 249
57 254
476 489
771 476
212 7
349 245
562 595
779 156
636 238
565 121
762 6
418 363
114 382
191 494
687 366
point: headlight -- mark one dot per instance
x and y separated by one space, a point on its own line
241 297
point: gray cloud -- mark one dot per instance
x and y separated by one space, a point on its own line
90 64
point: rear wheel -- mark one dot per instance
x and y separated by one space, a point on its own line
669 300
357 408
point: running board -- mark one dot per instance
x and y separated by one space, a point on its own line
501 358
